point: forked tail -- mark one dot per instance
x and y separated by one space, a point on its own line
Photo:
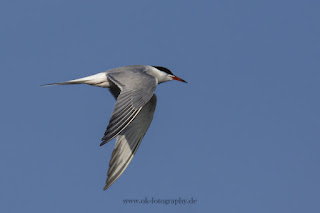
99 80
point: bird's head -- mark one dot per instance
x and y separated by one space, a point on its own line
164 74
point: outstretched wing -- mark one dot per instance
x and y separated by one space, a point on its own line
129 140
136 90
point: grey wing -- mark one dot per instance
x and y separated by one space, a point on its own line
129 140
136 90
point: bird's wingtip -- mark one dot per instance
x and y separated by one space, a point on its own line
108 184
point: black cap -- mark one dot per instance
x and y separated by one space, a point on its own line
163 69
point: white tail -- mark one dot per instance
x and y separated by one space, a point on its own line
98 80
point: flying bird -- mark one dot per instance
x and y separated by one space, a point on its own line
133 88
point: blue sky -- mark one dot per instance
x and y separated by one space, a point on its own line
242 136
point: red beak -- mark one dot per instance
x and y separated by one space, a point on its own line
178 79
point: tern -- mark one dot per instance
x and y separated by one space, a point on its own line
133 88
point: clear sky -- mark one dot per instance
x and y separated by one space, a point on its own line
242 136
